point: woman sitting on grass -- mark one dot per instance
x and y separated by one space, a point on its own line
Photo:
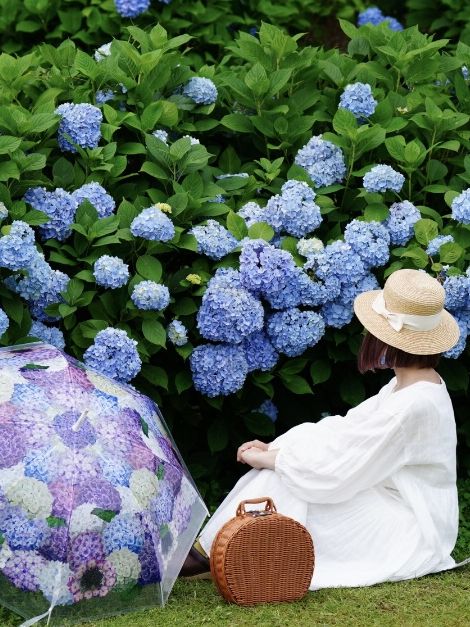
376 488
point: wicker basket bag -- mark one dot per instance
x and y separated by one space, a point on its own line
262 557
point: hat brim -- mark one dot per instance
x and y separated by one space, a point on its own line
438 340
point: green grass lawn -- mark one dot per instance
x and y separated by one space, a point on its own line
438 600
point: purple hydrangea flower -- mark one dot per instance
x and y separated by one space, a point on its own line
23 568
84 547
12 446
92 579
76 438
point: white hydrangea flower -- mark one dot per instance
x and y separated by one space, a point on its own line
52 579
129 504
5 554
83 520
192 139
144 485
9 476
103 52
127 566
309 246
32 495
9 378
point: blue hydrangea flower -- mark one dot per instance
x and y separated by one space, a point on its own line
3 212
201 90
225 278
81 123
160 134
393 23
323 161
251 212
294 209
263 268
114 353
337 313
123 532
17 249
293 331
56 283
4 322
115 469
61 208
150 295
461 207
459 348
403 216
214 240
97 195
51 335
370 240
153 224
382 178
457 289
229 315
259 352
372 15
435 244
110 271
358 99
269 409
218 369
103 51
41 464
131 8
25 534
103 95
177 333
465 72
336 261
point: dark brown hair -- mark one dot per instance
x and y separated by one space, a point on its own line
377 354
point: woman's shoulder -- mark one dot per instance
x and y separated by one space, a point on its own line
421 397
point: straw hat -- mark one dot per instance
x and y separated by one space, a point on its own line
409 314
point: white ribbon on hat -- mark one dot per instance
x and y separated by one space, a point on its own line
399 321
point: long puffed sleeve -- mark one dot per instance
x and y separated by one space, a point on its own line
334 459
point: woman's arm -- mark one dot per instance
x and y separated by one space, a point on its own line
257 458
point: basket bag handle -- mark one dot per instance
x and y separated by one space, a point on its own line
270 507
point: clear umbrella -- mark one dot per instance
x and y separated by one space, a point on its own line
97 509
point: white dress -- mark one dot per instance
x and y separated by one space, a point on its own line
376 488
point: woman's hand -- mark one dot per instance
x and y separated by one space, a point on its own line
256 443
258 458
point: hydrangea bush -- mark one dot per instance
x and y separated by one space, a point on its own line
208 250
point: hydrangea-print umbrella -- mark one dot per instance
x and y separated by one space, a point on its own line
97 509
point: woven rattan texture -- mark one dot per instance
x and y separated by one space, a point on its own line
262 559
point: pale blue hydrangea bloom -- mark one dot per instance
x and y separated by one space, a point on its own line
259 352
465 72
309 246
374 16
150 295
393 23
263 268
153 224
435 244
4 322
461 207
336 261
457 289
229 315
56 283
358 99
218 198
218 369
251 212
177 333
96 194
124 531
403 216
114 354
51 335
269 409
161 135
103 51
131 8
61 208
294 209
225 278
370 240
110 271
3 212
193 140
293 331
337 313
382 178
459 348
201 90
82 123
214 240
103 95
17 249
323 161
